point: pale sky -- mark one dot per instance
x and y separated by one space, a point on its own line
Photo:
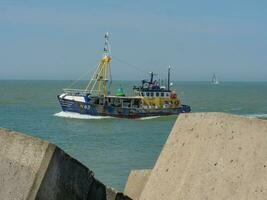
61 39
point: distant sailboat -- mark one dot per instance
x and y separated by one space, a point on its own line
214 80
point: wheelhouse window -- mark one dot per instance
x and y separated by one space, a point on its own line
147 94
152 94
157 94
162 94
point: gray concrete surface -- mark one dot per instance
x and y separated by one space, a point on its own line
206 156
211 156
136 182
31 168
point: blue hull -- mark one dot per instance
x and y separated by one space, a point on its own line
121 112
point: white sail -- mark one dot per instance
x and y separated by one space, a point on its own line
214 80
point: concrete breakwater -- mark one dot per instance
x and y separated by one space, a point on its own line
31 168
207 156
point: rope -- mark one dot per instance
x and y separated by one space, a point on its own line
128 64
116 59
110 82
80 77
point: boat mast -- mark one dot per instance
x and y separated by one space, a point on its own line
151 77
169 74
214 79
102 73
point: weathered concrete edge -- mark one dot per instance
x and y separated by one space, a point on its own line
42 171
44 164
136 182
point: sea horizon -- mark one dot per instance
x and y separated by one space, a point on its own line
204 81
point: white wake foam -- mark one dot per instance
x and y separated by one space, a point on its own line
256 115
73 115
147 118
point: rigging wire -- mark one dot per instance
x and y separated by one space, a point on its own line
80 78
110 82
135 67
128 64
110 75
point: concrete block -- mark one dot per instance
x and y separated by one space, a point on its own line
136 182
31 168
211 156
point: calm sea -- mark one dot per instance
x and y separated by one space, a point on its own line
112 147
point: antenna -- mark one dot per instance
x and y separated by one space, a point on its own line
169 74
151 77
107 48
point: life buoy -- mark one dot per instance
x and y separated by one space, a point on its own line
173 95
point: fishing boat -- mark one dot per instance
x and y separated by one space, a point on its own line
214 80
150 98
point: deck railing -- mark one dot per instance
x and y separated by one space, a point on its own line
81 92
